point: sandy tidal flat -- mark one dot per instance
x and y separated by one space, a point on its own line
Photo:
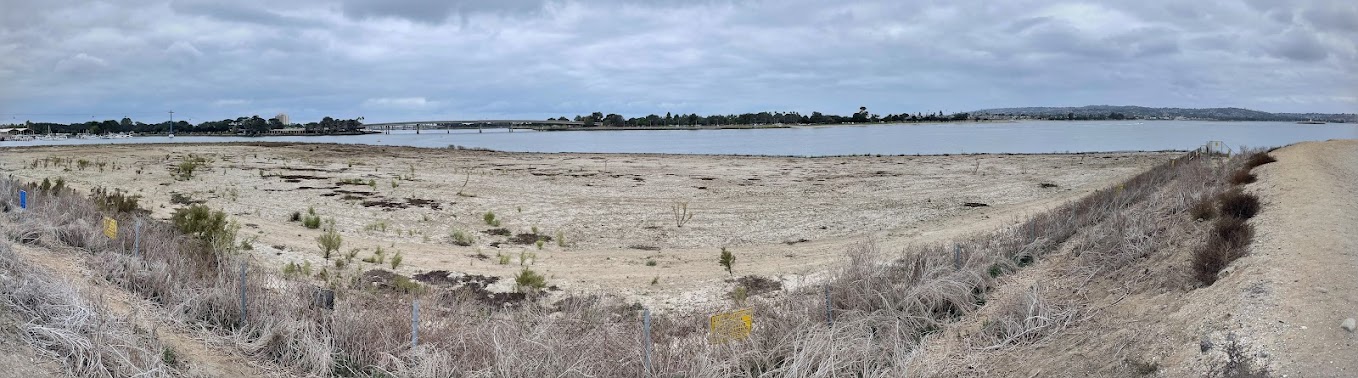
610 217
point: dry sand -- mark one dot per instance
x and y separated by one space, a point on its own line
783 217
1276 311
1304 261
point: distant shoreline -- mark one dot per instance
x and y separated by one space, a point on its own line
750 127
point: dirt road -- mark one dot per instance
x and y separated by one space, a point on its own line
1306 250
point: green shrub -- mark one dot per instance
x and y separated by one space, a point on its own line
530 280
114 201
330 240
726 260
211 226
489 217
650 262
185 169
396 260
311 220
461 238
199 221
406 285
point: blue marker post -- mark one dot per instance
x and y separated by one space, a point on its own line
23 199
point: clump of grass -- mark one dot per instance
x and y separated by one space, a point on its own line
461 237
182 199
396 260
539 243
490 219
650 262
376 226
528 280
502 258
186 168
311 220
560 239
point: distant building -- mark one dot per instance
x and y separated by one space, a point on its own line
10 133
283 118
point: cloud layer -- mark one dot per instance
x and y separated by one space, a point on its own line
64 60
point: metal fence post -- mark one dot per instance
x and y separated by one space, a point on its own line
646 330
243 309
136 239
829 317
957 256
415 323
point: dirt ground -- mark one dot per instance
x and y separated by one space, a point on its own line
1304 260
783 217
1277 311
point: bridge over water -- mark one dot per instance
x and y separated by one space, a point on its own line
510 124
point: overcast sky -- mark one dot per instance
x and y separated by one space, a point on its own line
389 60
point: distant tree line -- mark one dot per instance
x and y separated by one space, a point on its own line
253 125
1112 112
761 118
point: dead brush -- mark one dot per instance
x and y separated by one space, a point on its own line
73 328
1026 320
1257 159
1238 204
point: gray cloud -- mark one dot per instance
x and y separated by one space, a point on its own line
389 60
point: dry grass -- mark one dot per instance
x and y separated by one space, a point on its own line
72 327
881 311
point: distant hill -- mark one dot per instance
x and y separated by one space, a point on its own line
1141 112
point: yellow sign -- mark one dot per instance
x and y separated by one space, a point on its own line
734 325
110 228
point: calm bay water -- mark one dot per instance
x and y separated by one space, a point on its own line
1017 137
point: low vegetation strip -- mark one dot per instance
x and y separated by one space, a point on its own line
74 328
876 316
